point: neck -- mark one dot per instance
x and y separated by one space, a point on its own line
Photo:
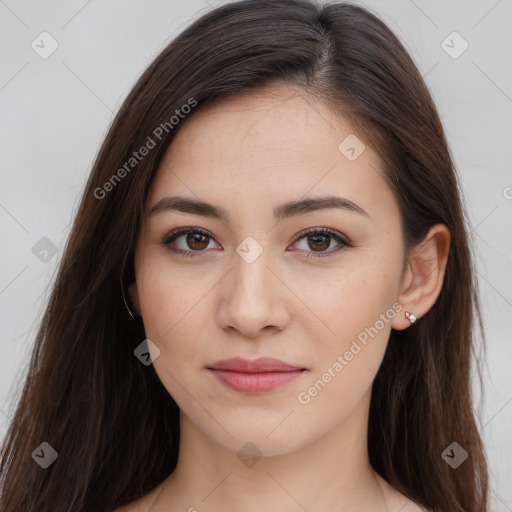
331 473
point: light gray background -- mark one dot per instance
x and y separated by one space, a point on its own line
55 112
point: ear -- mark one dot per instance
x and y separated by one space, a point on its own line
424 275
134 297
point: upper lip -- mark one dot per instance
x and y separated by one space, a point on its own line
262 364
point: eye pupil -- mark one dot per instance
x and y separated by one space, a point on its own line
316 237
194 237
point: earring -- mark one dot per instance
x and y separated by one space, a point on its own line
124 300
122 288
411 317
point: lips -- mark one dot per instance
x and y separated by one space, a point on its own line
254 376
262 364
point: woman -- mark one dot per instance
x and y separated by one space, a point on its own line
267 297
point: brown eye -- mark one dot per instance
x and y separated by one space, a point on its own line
187 241
196 241
317 242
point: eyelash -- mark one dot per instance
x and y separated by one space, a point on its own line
173 235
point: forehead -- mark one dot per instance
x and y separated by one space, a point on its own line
269 146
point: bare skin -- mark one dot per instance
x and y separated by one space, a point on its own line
394 501
249 155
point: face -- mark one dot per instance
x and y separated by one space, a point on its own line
315 288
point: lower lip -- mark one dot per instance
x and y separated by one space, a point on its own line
255 382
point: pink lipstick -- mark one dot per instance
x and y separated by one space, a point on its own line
254 376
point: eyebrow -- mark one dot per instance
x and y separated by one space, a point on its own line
284 211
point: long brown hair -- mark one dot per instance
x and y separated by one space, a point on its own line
113 425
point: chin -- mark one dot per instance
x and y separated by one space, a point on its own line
259 441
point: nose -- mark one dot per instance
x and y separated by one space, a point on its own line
253 298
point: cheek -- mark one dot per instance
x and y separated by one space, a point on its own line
345 301
169 294
356 305
347 361
167 313
175 307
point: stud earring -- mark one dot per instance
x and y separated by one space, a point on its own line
411 317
